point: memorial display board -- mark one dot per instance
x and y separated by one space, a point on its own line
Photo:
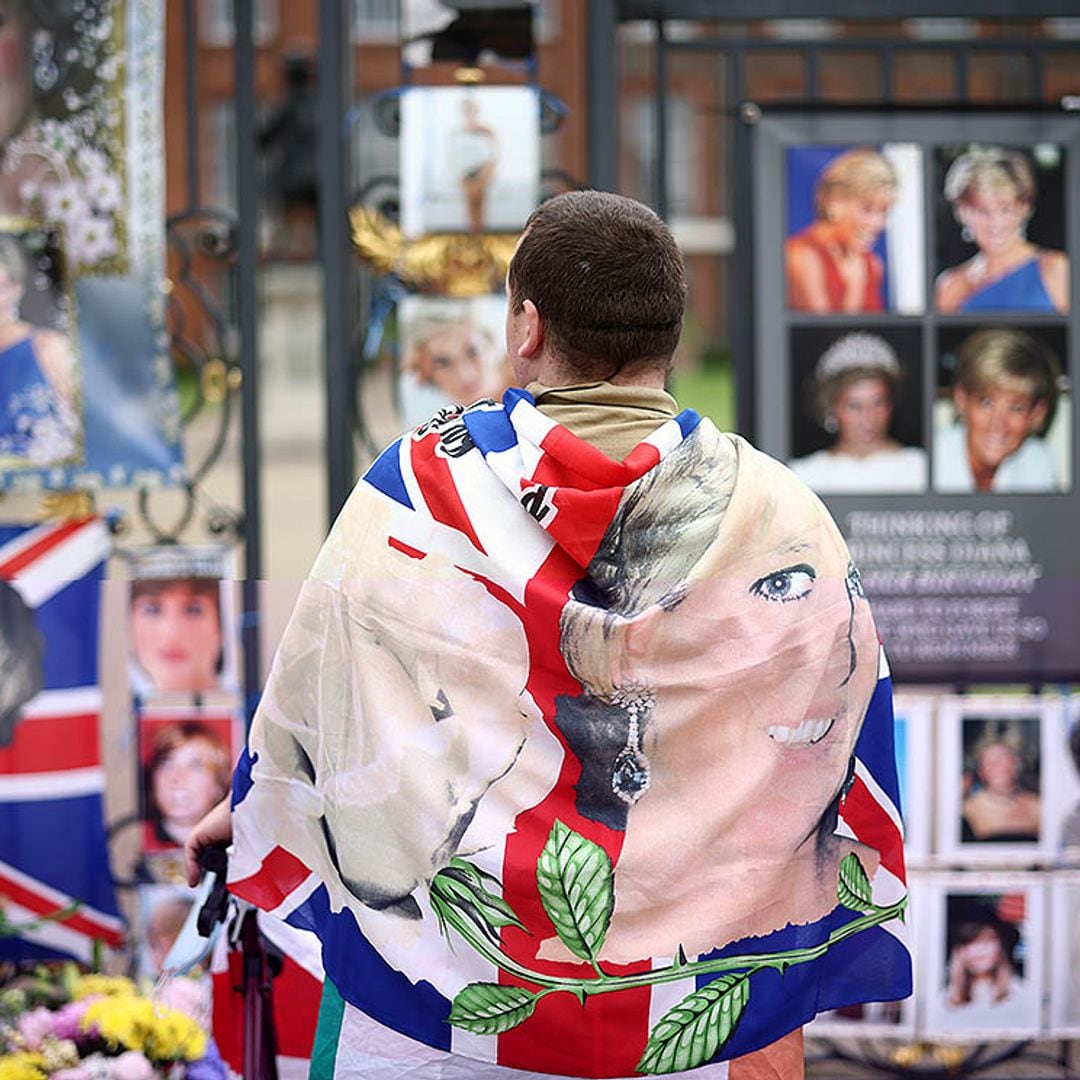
913 364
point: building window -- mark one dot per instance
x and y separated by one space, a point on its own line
375 22
217 22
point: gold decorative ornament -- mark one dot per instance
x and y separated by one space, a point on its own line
470 75
214 381
452 264
952 1057
66 506
908 1055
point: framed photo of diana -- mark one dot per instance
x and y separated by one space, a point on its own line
470 159
997 787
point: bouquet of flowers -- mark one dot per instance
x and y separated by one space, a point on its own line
62 1025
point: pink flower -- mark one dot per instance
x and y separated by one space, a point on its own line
131 1066
34 1026
77 1073
66 1020
190 996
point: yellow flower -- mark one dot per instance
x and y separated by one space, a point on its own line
102 986
135 1023
21 1066
175 1037
121 1021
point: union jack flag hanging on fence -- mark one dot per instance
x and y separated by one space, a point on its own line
55 883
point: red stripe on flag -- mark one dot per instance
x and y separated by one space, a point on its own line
616 1029
406 549
51 539
582 520
281 872
52 744
873 826
641 459
586 486
80 922
438 489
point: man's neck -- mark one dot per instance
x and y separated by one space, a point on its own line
552 371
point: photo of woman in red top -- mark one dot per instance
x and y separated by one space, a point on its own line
831 265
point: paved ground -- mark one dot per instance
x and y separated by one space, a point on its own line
1041 1060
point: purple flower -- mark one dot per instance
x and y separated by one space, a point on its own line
34 1026
66 1020
208 1067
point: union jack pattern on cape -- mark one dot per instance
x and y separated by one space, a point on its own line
53 850
581 766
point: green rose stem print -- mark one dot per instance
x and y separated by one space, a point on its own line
576 883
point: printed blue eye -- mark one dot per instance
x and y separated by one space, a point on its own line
783 586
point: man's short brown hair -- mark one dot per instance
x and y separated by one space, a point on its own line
606 276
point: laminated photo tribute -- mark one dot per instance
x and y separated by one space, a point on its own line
87 392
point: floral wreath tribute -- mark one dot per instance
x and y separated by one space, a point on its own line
59 1024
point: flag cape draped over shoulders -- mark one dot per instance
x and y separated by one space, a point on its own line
581 766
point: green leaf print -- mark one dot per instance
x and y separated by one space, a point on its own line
575 880
489 1009
853 888
691 1033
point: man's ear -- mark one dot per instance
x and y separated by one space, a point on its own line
533 326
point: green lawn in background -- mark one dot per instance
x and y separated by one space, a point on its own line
710 390
187 387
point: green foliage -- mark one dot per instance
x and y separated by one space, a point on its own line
576 884
710 390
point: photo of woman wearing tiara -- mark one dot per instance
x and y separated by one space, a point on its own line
854 387
992 193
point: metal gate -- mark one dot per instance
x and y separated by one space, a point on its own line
912 55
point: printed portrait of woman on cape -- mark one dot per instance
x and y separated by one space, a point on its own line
699 714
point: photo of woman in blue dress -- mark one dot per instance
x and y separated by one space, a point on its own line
39 423
992 195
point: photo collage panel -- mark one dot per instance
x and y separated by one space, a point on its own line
990 795
928 363
182 643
